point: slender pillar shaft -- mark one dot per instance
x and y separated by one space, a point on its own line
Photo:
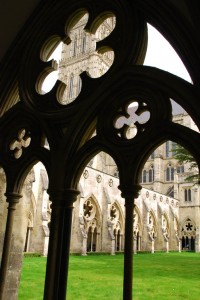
13 199
129 193
128 251
59 244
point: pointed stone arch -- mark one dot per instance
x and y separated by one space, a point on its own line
116 226
188 234
68 129
90 225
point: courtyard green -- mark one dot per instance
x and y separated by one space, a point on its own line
159 276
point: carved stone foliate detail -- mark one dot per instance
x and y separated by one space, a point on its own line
132 120
22 141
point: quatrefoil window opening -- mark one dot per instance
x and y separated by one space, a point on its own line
129 124
22 141
76 56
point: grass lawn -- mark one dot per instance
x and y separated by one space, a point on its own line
160 276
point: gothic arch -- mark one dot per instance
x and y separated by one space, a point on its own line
101 102
191 221
188 234
116 227
90 225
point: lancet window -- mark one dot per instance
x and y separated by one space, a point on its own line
170 172
188 233
188 195
91 230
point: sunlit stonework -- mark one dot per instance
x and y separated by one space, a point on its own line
81 55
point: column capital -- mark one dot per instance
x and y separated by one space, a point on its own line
130 192
64 198
12 197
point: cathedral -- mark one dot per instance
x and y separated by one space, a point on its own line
88 133
166 213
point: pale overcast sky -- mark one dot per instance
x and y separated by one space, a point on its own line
161 54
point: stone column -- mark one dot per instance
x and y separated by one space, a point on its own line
113 246
59 244
135 244
12 199
167 246
179 245
152 246
129 194
84 246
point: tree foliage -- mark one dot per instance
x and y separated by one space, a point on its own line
184 156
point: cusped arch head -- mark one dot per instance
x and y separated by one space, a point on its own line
188 227
21 146
133 153
92 209
188 219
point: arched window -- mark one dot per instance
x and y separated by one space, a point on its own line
170 173
144 176
188 235
151 174
90 225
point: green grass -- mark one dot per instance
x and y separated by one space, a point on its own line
159 276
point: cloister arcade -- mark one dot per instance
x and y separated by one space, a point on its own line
78 130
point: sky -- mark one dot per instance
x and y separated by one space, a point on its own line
160 54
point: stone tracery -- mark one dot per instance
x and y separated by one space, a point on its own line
62 125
